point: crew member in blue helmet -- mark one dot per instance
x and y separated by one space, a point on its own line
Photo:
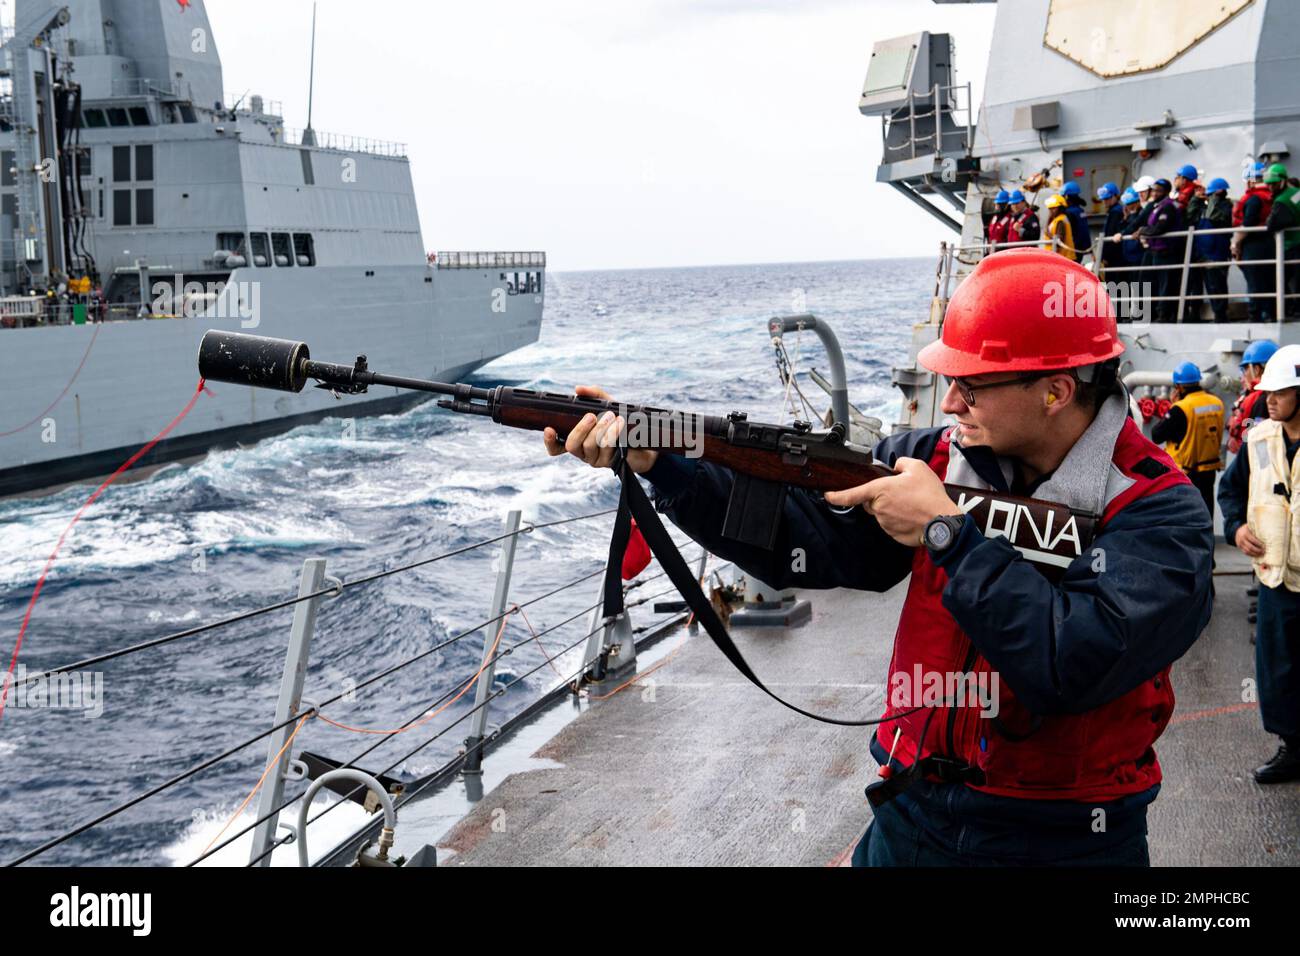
1217 214
1025 226
1112 253
1130 303
1193 431
1166 217
1076 209
1250 405
995 232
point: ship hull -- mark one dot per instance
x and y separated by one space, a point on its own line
128 383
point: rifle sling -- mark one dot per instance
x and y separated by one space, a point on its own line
633 503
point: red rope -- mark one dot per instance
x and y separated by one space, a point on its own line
50 407
49 562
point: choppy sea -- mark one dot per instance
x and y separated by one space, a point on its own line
198 542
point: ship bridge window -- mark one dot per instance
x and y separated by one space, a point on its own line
140 116
144 163
304 249
144 207
121 207
261 250
8 176
282 249
94 119
117 116
187 113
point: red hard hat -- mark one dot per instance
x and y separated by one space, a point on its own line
1024 310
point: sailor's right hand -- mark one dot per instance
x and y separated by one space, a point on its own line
594 440
1248 544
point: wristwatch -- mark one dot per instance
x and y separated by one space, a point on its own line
941 532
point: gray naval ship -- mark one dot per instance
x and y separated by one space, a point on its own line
141 205
651 748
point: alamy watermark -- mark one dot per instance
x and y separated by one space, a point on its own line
922 688
661 429
63 690
214 300
1072 299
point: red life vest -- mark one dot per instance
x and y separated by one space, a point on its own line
1265 196
998 228
1244 410
1015 228
1100 755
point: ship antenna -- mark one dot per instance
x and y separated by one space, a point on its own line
308 135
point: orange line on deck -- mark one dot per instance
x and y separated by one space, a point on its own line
1212 712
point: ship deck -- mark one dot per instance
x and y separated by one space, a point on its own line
694 766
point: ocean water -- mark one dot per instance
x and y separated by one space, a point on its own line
194 543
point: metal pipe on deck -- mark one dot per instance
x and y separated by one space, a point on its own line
839 381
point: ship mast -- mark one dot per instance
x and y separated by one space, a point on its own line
308 135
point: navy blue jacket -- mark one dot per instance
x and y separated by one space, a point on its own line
1112 253
1067 647
1079 226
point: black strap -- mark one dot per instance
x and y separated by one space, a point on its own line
613 600
945 768
633 501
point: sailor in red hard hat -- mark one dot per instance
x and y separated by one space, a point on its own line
1060 770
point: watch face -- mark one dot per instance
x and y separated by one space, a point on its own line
938 535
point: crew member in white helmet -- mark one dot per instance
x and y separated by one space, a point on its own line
1259 496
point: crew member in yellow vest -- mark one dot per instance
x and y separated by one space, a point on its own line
1193 431
1260 498
1059 228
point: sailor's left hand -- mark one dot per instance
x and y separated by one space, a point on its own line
904 503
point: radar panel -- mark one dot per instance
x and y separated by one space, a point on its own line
1119 37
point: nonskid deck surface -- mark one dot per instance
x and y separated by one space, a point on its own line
695 766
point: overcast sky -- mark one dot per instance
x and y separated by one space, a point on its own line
613 134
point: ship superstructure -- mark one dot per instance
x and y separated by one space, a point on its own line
140 205
1089 93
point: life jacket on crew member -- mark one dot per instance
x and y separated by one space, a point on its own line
1265 196
1246 409
1100 755
1059 228
1024 227
1106 752
1273 513
1199 448
998 228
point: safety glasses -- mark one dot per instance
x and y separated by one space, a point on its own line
968 390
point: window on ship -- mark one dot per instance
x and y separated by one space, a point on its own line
233 245
94 119
261 250
304 249
282 249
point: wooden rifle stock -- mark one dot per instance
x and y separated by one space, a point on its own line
769 458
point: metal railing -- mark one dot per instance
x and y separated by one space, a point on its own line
488 260
609 654
146 86
349 144
938 138
1132 297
